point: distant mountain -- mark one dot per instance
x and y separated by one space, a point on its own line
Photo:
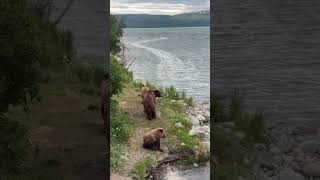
153 21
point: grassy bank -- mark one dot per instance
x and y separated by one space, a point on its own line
129 123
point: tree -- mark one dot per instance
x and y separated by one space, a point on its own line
116 32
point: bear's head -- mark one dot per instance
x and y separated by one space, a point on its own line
158 93
162 133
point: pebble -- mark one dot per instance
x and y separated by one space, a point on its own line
179 125
194 120
195 165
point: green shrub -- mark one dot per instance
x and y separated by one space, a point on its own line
13 145
172 93
119 76
183 120
137 84
186 141
139 170
150 85
117 159
120 128
116 32
114 105
189 101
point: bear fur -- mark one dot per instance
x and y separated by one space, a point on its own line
144 90
149 103
200 152
151 140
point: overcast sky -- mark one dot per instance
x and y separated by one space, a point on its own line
163 7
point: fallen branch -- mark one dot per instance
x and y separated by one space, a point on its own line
160 163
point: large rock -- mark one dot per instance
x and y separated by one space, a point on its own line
289 174
179 125
196 131
311 169
200 117
194 120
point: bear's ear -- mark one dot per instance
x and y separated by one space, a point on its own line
160 129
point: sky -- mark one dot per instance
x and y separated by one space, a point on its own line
158 7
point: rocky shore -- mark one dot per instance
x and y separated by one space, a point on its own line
293 153
199 115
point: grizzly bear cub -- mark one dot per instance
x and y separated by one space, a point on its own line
149 103
151 140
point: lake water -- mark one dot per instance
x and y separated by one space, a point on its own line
171 56
270 50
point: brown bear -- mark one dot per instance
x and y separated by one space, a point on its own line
151 140
200 152
149 103
144 90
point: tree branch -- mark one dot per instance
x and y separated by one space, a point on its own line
66 9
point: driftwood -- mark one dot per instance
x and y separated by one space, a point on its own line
167 160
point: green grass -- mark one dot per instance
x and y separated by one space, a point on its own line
117 159
182 119
120 128
141 167
177 107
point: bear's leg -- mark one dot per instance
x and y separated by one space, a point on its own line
153 111
149 113
158 145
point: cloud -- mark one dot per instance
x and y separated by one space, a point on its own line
163 7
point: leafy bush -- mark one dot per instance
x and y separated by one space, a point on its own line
172 93
116 156
137 84
120 128
140 168
13 145
116 32
119 76
183 120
